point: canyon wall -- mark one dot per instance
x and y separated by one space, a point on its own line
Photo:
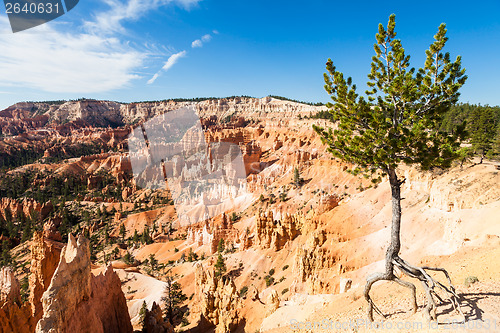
64 295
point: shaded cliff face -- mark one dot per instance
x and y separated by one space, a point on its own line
218 301
45 256
13 317
77 301
65 296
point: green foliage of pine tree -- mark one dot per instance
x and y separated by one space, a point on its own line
142 313
220 266
221 246
5 257
173 297
482 124
297 180
153 262
123 231
482 128
192 256
397 121
495 146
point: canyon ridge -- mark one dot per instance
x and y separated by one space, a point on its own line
281 241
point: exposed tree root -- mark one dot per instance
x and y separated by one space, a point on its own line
429 284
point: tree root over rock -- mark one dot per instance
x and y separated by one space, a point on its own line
427 281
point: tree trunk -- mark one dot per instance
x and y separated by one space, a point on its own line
395 245
393 260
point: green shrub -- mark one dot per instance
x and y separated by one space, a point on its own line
243 291
269 280
470 280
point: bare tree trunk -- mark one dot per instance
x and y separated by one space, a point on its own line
395 246
393 260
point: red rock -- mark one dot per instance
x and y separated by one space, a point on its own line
76 301
154 322
13 317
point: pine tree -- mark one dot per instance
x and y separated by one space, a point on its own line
398 122
482 128
220 266
297 180
123 231
495 146
220 246
153 262
106 234
128 259
192 256
135 238
142 312
146 237
173 297
5 257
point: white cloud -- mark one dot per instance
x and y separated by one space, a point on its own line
172 60
110 21
153 79
95 59
197 43
60 62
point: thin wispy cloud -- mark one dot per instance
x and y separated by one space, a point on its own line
110 21
96 58
63 62
171 61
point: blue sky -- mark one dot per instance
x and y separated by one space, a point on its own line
147 50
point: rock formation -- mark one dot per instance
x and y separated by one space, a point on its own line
13 316
251 157
218 300
317 268
274 234
76 301
19 118
28 207
204 234
50 230
327 203
64 295
9 286
154 321
273 302
344 285
45 254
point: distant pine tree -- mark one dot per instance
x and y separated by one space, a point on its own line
220 266
482 128
173 297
